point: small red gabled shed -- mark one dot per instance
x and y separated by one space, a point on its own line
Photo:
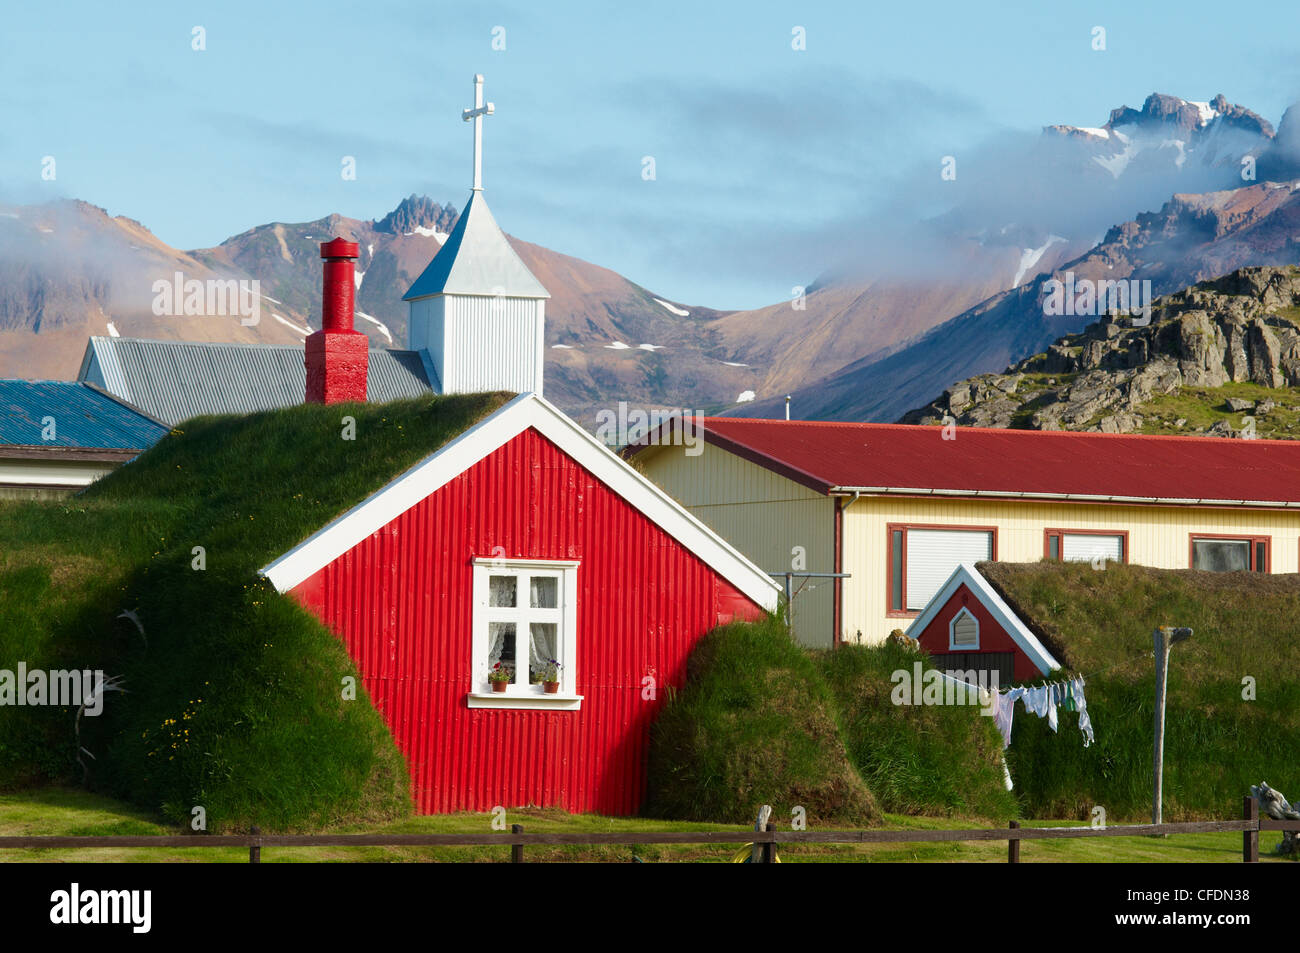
968 626
523 547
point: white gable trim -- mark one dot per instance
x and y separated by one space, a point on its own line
997 607
524 412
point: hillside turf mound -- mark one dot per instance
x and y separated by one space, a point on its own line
233 699
1233 710
763 721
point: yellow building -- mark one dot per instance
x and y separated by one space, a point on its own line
896 508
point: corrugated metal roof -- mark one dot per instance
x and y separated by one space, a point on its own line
477 259
826 455
175 380
82 416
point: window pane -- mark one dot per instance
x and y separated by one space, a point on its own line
1221 555
965 630
1053 547
501 647
932 555
543 650
896 583
501 592
1261 557
544 592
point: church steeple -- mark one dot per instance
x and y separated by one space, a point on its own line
477 311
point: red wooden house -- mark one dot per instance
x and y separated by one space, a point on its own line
968 626
522 541
524 548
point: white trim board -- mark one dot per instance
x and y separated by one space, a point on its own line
997 607
524 412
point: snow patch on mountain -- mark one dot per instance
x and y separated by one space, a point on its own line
1031 256
1180 146
289 324
745 397
674 310
429 233
1117 163
1207 111
383 328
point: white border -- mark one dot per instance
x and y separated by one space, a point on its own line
1001 612
524 412
526 695
952 635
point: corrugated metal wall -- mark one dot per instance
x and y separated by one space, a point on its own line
487 344
765 516
1158 537
401 600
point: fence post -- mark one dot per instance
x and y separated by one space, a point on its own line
1013 845
516 850
769 849
1250 837
255 846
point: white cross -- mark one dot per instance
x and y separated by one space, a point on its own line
476 114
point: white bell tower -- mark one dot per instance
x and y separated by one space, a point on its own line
477 312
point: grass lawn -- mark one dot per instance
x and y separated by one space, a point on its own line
74 812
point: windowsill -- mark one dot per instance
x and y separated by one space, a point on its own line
525 700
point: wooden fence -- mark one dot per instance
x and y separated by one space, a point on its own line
764 841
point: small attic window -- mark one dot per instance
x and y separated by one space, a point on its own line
964 631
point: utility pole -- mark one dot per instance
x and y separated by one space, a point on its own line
1165 637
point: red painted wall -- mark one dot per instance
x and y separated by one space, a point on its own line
993 638
402 602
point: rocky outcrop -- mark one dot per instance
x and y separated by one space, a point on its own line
1242 327
417 211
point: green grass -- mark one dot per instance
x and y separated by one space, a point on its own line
52 811
754 724
762 720
234 698
919 759
1203 407
1217 742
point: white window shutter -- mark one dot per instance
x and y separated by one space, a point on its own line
933 554
1085 547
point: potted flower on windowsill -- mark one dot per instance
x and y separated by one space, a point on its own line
500 677
551 677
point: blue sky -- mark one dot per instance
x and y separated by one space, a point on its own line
762 153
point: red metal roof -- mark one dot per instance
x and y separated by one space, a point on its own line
827 455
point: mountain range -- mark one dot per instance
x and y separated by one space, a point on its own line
1221 357
905 313
1190 238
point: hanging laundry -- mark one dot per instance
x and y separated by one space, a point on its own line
1085 720
1067 695
1005 712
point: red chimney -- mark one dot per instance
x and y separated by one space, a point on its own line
337 355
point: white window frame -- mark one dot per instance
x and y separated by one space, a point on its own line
521 694
952 632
